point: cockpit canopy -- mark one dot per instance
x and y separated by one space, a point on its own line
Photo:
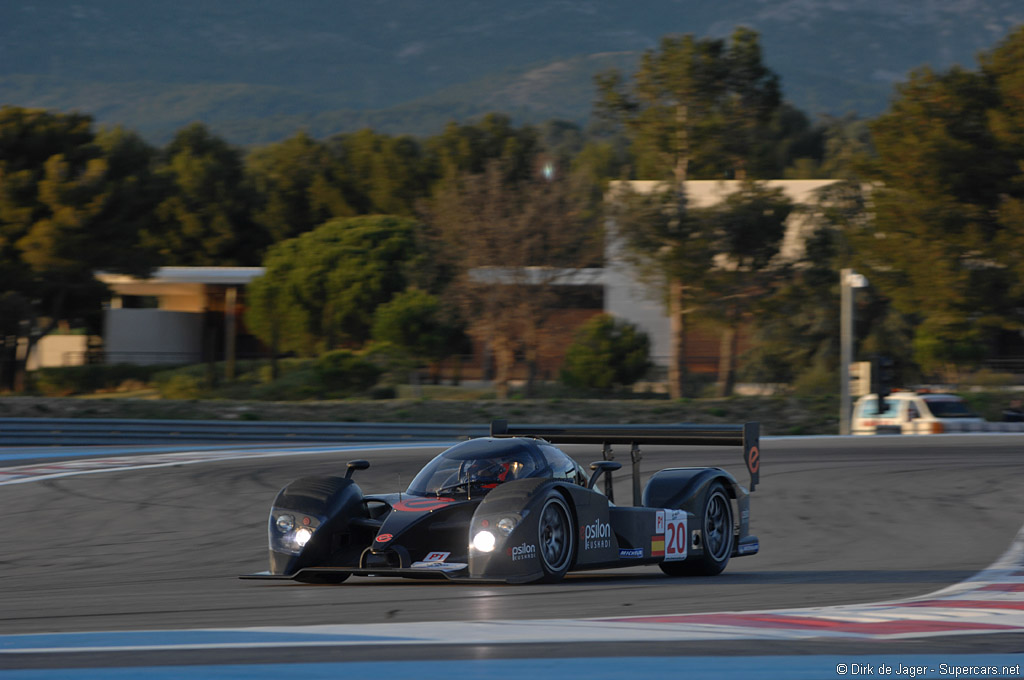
474 467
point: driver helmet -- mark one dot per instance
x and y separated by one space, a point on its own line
493 471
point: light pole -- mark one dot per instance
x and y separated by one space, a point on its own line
848 281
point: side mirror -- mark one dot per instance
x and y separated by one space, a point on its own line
354 465
599 467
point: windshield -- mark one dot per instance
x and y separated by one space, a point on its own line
479 465
948 408
869 409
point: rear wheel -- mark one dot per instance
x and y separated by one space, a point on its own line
716 535
556 536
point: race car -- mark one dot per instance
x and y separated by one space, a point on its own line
513 507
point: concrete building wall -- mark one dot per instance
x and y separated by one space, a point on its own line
58 350
152 336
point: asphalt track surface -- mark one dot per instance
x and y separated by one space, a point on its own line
840 520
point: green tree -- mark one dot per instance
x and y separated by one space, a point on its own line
320 289
299 184
71 202
417 322
745 232
944 240
605 353
205 217
381 174
470 148
694 106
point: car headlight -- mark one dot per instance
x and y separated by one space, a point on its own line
302 536
507 524
484 541
285 523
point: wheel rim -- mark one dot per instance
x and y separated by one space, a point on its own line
718 527
555 535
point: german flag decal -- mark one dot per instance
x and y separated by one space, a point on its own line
657 546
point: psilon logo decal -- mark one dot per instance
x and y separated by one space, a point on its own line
526 551
422 504
596 535
384 538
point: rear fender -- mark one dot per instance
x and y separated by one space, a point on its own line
683 488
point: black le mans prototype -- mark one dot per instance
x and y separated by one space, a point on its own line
513 507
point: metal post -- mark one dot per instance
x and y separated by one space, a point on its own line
230 325
848 280
845 348
634 454
609 490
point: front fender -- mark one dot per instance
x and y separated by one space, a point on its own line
322 505
515 556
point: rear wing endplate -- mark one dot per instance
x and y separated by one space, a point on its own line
746 435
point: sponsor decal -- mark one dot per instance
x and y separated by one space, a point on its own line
657 546
631 553
384 538
526 551
439 566
676 536
659 522
436 557
422 504
754 462
748 548
596 535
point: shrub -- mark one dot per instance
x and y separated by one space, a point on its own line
606 352
343 373
62 381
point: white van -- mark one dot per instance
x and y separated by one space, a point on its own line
912 413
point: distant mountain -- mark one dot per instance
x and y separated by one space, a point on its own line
258 70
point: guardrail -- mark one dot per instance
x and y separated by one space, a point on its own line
951 427
89 431
945 427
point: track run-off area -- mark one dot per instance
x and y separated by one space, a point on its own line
880 556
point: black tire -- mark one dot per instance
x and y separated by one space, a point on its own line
556 537
716 535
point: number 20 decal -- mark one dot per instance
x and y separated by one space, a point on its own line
676 536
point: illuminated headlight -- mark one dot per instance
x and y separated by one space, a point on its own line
285 523
302 536
484 541
507 524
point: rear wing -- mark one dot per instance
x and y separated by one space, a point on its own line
746 435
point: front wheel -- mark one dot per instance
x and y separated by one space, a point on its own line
717 537
556 536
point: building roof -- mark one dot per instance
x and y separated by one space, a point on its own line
226 276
